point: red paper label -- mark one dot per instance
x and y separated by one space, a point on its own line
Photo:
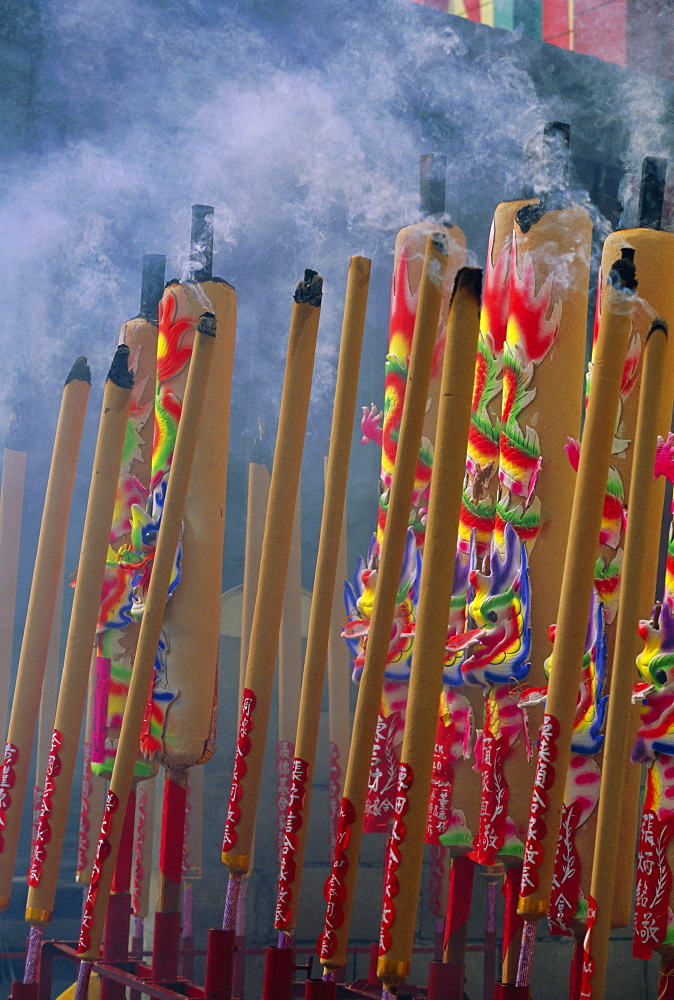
588 961
294 819
285 751
442 778
494 805
102 852
335 890
334 792
139 842
43 832
565 894
654 882
381 789
7 779
242 751
545 776
391 884
85 826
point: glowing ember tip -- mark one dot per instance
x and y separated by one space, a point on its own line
207 324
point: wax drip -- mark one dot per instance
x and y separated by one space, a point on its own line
526 954
231 901
33 955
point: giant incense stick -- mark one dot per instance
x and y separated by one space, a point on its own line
403 872
142 861
256 512
92 802
186 673
557 726
382 428
622 675
321 606
127 748
11 505
39 617
46 857
339 890
238 838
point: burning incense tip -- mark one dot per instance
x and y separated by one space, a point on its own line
207 324
16 435
659 324
623 274
470 280
309 289
440 243
119 372
80 371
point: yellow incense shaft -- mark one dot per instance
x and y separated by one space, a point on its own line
46 859
142 849
153 615
256 511
403 873
324 582
341 883
43 593
623 675
11 503
577 582
50 684
238 839
290 638
339 682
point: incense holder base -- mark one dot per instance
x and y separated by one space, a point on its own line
445 981
278 974
502 991
24 991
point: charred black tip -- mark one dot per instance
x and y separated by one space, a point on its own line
623 274
119 372
310 289
207 324
529 215
80 371
469 279
15 437
659 324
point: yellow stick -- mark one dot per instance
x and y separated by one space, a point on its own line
44 588
403 873
616 747
342 880
557 727
256 512
238 839
321 605
153 615
46 860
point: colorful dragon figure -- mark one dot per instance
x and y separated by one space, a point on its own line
478 507
654 919
133 539
384 428
568 905
496 660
